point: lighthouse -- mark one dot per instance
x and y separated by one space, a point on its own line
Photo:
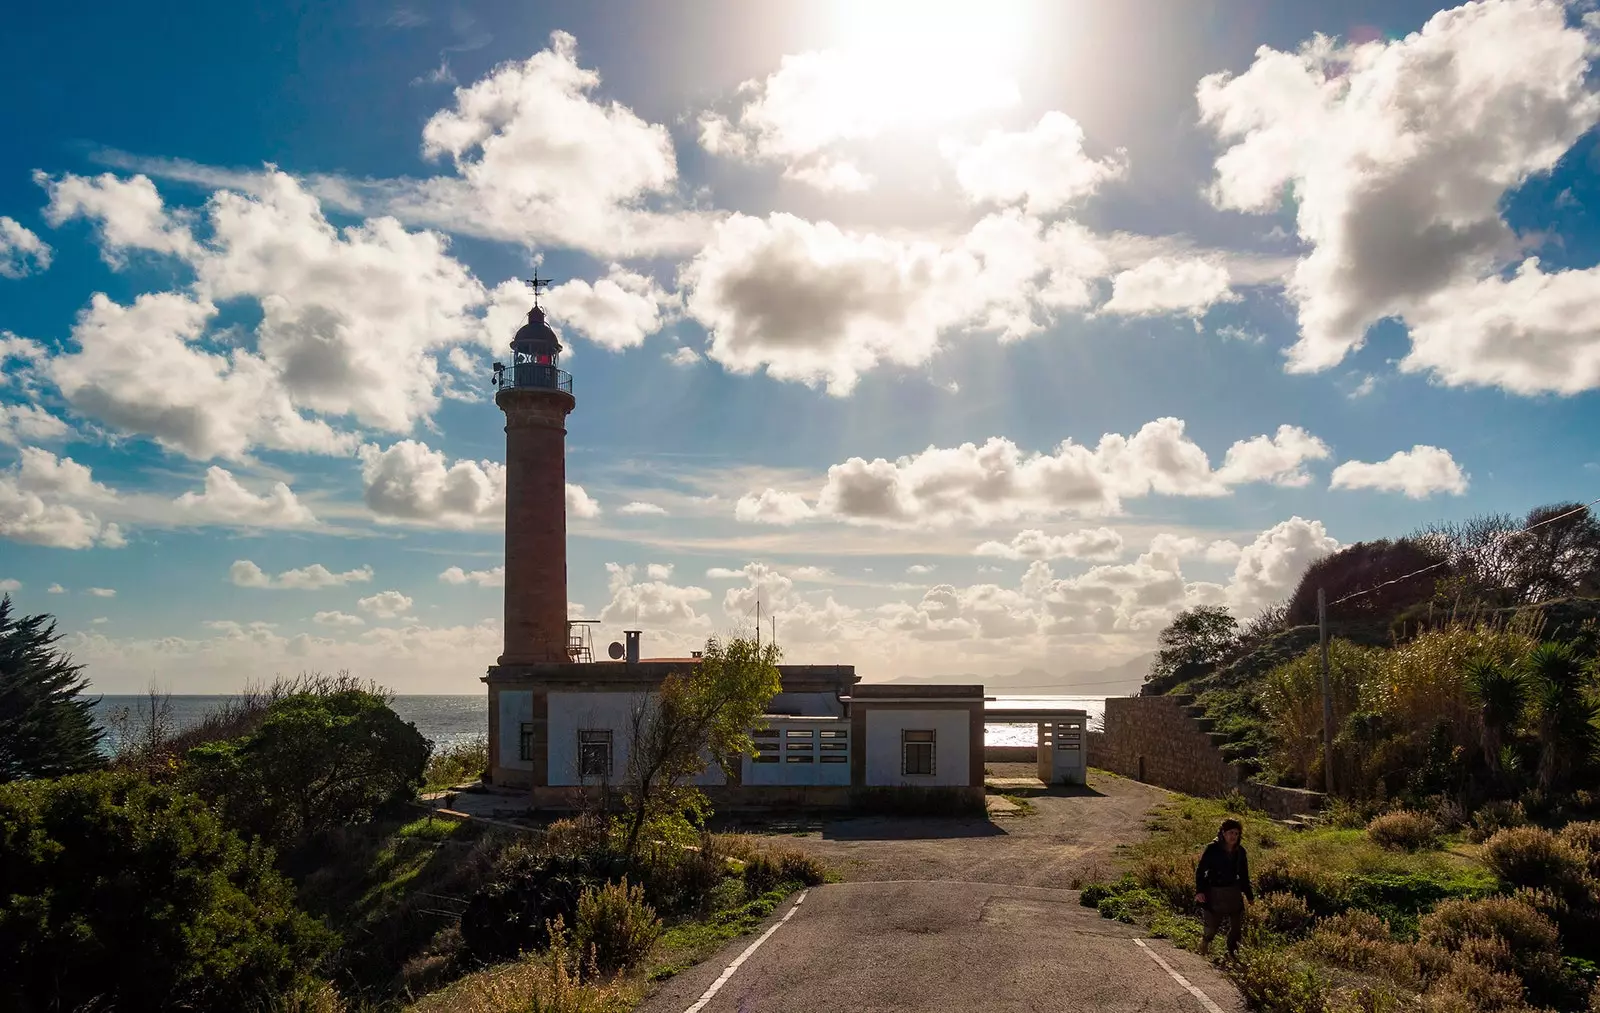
535 394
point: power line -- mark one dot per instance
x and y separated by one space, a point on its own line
1489 545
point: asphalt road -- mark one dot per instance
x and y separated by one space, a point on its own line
867 947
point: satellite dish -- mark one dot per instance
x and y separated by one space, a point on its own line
616 650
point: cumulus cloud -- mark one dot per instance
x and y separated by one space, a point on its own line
616 312
21 252
998 482
10 584
245 573
55 589
25 423
653 601
1043 168
1271 566
1399 154
1097 544
385 605
580 504
639 508
128 214
1169 285
1419 473
495 577
225 501
102 592
410 482
335 618
46 500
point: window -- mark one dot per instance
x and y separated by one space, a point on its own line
799 745
525 741
594 752
916 752
835 745
766 740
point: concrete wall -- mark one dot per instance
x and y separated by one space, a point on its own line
516 706
572 712
800 755
1156 739
952 752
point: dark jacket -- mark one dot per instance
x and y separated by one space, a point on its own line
1218 868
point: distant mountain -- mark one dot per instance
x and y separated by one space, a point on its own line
1116 680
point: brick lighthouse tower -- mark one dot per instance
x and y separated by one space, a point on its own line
536 396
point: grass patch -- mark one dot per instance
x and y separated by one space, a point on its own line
1025 806
689 942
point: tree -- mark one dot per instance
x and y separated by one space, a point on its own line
1370 567
116 893
705 711
1196 636
1556 558
1566 713
46 725
318 760
1502 696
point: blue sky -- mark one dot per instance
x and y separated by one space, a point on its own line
964 346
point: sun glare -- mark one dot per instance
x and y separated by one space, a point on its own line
929 61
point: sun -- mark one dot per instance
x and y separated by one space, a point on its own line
930 61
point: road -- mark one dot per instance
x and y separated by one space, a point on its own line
875 947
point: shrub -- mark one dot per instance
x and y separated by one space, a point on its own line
455 764
1535 858
1094 893
1584 838
1404 830
799 867
511 913
1172 879
1496 816
118 893
1323 892
1505 935
1283 913
615 927
1274 982
683 879
771 869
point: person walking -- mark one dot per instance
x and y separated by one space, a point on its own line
1222 885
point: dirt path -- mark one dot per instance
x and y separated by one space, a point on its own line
1071 838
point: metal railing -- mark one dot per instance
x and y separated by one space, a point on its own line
532 376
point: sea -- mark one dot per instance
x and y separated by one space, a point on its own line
447 720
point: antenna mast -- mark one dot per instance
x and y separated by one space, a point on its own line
539 285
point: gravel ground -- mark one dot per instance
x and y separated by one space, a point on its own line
1072 837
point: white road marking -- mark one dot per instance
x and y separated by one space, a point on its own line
1205 1000
727 972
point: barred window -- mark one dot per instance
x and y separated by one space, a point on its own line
594 752
525 741
916 751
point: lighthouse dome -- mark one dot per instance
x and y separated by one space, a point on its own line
536 336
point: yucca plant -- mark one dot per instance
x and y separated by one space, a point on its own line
1502 696
1566 712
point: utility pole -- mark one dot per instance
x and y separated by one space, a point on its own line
1327 696
758 624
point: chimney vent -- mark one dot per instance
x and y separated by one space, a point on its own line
633 645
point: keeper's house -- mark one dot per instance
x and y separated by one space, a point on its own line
559 721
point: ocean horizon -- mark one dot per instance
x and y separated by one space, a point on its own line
446 719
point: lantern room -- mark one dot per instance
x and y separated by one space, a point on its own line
535 358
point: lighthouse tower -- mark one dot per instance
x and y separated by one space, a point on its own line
535 394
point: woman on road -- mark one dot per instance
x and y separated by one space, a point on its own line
1222 885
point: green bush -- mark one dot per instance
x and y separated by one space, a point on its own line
116 893
683 880
511 913
1284 913
1535 858
769 869
1272 981
615 927
457 764
1324 893
1404 830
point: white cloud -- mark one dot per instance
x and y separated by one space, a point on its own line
997 482
410 482
683 355
659 571
809 301
245 573
1170 285
918 569
1271 566
99 620
21 252
225 501
102 592
495 577
10 584
26 423
1043 168
46 500
799 115
654 601
128 214
1419 473
55 589
1399 154
616 312
334 618
639 508
385 605
580 504
1097 544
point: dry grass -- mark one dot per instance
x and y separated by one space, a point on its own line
540 983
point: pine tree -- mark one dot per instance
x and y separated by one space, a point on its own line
46 727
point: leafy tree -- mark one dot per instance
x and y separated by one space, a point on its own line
1566 713
46 727
116 893
707 710
318 760
1555 558
1365 566
1502 696
1196 636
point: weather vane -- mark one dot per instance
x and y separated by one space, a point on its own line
539 285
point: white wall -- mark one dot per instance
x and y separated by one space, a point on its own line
516 706
570 712
1067 765
952 741
791 773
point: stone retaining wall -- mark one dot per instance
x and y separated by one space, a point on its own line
1165 741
